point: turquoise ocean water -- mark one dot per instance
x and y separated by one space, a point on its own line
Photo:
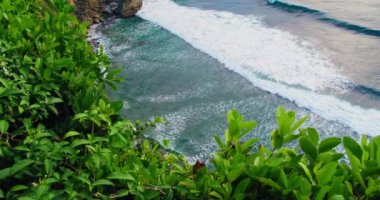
190 61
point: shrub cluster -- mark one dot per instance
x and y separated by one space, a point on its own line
62 138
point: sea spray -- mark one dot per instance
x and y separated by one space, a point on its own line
272 59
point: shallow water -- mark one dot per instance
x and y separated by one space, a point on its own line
207 57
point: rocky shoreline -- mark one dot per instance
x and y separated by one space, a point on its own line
97 11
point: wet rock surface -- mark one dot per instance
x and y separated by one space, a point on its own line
96 11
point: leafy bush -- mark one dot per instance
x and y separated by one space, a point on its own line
62 138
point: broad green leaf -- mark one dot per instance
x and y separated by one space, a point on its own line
54 100
322 193
19 188
101 182
308 147
215 195
276 139
328 144
84 179
1 194
79 142
337 197
17 167
4 126
307 172
371 171
7 91
299 196
298 124
247 126
326 173
122 193
313 136
219 141
233 129
336 185
166 143
284 179
20 165
71 134
241 187
121 176
271 183
48 166
4 173
234 174
170 195
305 187
117 106
42 191
353 146
249 144
356 167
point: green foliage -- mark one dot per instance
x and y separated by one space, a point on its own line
62 138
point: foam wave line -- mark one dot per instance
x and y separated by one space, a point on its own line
250 49
324 17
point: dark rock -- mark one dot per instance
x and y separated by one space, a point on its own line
199 164
96 11
129 8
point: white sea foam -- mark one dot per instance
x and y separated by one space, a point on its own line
245 45
245 41
179 96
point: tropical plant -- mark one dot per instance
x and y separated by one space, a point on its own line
61 137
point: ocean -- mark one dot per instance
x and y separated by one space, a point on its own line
190 61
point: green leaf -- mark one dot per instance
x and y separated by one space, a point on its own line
356 167
308 147
247 127
328 144
305 187
1 194
84 179
270 183
54 100
170 195
71 134
7 91
337 197
219 141
353 146
48 165
121 176
102 182
18 188
298 124
4 173
276 139
4 126
313 136
326 173
166 143
241 187
249 144
234 129
307 172
322 193
122 193
117 106
215 194
17 167
78 142
234 174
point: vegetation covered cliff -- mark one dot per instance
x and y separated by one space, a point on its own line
61 137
